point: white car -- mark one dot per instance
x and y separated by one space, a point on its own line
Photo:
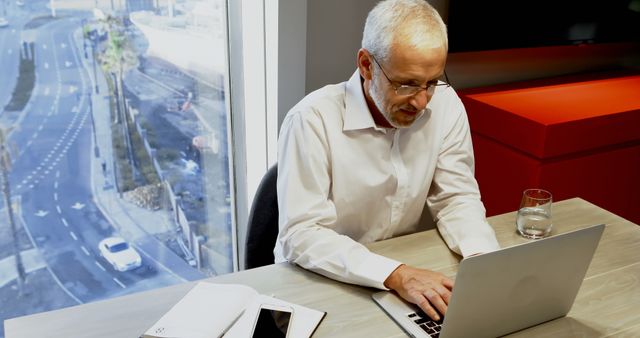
118 252
20 3
3 22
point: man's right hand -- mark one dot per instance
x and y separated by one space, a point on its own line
430 290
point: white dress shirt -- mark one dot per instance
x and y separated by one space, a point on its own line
344 182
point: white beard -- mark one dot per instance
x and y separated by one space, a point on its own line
377 95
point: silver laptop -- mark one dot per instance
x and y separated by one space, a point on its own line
506 290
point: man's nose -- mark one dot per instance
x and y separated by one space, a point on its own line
419 100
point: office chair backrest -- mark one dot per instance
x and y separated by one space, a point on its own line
262 229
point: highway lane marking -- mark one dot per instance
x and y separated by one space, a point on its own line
55 196
44 46
58 90
64 221
10 51
119 282
75 238
55 185
86 252
57 173
46 65
58 208
100 266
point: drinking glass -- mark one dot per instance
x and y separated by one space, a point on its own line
534 215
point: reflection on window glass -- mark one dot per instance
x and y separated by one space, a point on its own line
113 149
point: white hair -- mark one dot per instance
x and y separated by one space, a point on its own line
415 22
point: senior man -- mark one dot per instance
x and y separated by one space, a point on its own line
360 160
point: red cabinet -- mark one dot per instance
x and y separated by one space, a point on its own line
576 139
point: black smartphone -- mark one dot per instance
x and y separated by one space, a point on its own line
273 321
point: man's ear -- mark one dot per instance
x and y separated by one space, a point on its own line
365 63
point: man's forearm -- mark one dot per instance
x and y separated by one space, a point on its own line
336 256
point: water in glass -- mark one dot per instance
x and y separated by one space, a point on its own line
533 222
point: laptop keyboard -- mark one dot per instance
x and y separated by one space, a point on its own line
427 324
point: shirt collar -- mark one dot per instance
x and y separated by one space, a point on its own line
356 114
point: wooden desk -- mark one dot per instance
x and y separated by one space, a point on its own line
608 303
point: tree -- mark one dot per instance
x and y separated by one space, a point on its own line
118 58
5 166
119 55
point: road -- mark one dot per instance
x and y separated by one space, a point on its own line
51 175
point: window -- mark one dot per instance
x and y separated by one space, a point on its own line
115 123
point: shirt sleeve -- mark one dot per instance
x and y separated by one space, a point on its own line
454 197
307 216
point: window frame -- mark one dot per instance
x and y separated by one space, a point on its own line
267 73
249 143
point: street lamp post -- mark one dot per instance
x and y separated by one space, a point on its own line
52 4
5 163
93 38
96 148
83 22
116 96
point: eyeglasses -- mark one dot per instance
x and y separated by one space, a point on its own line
407 90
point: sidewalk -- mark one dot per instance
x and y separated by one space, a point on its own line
31 260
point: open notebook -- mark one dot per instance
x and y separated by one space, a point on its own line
213 310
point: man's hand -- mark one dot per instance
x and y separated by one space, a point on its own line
430 290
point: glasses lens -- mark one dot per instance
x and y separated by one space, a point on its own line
407 90
411 90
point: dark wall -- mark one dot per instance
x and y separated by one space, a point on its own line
334 31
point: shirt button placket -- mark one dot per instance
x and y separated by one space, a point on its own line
396 205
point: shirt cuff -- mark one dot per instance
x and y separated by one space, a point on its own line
478 245
380 268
